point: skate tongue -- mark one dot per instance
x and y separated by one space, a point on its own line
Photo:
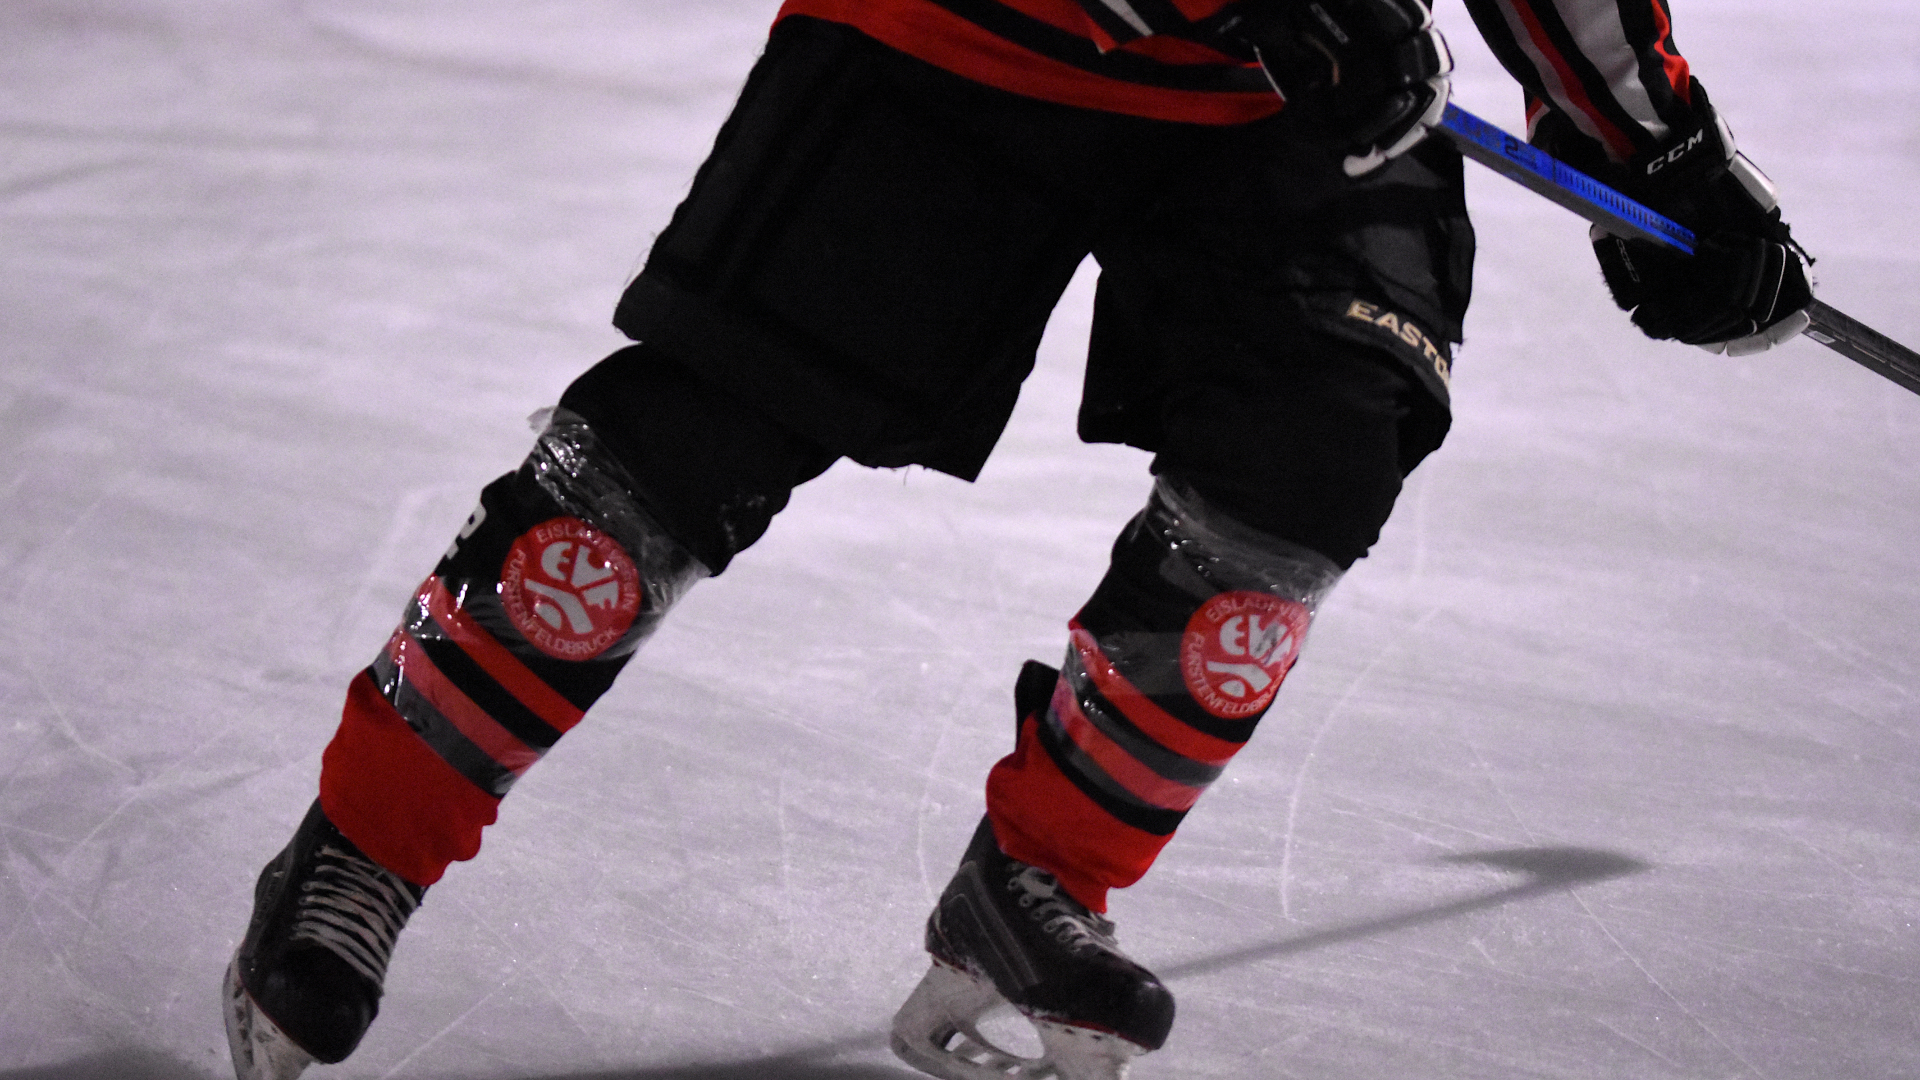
1038 883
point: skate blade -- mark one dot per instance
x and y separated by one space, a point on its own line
937 1031
260 1051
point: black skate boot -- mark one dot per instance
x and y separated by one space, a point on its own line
305 982
1005 933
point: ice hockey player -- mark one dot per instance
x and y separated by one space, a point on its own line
862 269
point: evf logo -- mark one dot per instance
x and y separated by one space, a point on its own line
570 589
1678 152
1237 648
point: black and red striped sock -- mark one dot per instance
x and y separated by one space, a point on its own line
556 579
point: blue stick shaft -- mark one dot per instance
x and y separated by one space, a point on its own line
1510 156
1547 175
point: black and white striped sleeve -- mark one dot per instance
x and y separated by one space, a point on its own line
1610 67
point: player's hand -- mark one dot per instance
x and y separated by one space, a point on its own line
1372 75
1746 288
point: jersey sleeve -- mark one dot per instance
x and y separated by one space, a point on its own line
1608 67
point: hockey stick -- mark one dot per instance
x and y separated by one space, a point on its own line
1538 171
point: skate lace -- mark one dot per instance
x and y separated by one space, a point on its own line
1062 917
354 909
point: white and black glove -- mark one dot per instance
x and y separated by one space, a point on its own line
1745 289
1371 76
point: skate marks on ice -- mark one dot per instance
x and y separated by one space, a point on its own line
1546 870
119 1063
823 1061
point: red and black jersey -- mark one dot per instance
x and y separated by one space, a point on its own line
1116 56
1609 65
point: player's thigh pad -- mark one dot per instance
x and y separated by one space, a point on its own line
1282 339
855 259
1315 457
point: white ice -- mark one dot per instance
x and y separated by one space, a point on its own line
1604 765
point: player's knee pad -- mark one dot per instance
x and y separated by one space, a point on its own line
560 561
556 578
1199 619
1172 663
714 468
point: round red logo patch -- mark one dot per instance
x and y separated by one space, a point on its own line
1237 648
570 589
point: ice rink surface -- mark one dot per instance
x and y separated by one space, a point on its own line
1604 765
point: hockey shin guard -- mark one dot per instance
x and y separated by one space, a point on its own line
1172 662
555 580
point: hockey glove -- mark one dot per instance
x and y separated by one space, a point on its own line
1745 289
1371 76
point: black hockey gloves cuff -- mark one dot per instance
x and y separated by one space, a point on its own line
1746 287
1371 76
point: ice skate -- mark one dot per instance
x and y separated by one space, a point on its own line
306 981
1005 934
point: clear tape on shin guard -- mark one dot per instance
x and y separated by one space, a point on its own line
570 465
556 579
1209 552
1249 597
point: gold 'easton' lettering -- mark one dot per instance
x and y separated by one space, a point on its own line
1407 331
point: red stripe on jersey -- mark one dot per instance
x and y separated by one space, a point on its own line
512 675
931 33
1536 112
1040 817
1126 770
396 799
1158 724
1679 76
1618 144
481 729
1071 16
1195 10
